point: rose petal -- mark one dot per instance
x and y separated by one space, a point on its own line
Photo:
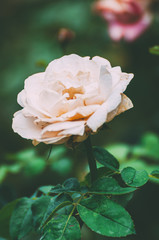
125 104
105 82
80 112
21 98
34 85
62 126
101 61
25 127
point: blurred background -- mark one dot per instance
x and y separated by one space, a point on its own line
33 33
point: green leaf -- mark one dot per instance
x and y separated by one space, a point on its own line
27 225
134 178
70 185
154 50
45 189
105 217
5 215
102 171
155 174
122 199
17 218
62 205
105 158
39 208
110 186
62 228
55 204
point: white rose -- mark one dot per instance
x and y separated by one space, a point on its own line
73 97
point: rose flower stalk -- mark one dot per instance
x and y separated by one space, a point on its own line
75 96
127 19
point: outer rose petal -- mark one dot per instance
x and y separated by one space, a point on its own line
21 98
25 127
34 85
101 61
100 116
125 104
71 63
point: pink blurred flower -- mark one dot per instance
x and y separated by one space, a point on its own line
127 19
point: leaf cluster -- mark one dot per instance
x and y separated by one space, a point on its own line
59 212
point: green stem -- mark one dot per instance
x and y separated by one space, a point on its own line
91 159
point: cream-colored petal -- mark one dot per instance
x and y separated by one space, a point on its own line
101 61
54 140
100 116
80 112
125 104
70 63
21 98
48 99
105 82
34 85
25 127
61 126
74 130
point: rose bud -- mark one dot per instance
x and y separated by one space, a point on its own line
127 19
73 98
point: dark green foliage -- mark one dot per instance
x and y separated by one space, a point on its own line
70 185
155 174
20 217
62 228
105 217
56 212
134 178
109 186
106 159
39 208
5 215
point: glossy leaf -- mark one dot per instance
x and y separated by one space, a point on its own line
62 228
70 185
105 158
26 226
105 217
45 189
102 171
133 177
122 199
55 204
60 206
155 174
17 218
5 215
39 208
108 186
